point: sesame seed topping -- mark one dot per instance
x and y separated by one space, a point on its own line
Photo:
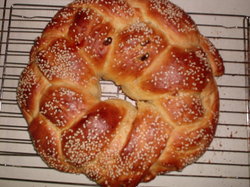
184 109
173 15
28 83
185 70
61 105
61 61
132 52
144 43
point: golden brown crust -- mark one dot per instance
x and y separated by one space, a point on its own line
213 56
30 89
154 50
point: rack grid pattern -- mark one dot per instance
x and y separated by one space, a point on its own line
227 160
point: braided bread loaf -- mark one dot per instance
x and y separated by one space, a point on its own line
154 51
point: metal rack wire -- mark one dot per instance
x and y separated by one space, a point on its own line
226 162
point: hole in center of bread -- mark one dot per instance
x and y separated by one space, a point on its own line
109 90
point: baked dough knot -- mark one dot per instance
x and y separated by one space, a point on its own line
153 50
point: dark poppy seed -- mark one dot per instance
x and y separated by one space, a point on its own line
144 57
107 41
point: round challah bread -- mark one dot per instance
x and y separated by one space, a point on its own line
154 51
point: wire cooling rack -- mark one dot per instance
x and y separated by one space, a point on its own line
227 160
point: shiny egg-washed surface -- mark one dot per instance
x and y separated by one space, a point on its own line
154 51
